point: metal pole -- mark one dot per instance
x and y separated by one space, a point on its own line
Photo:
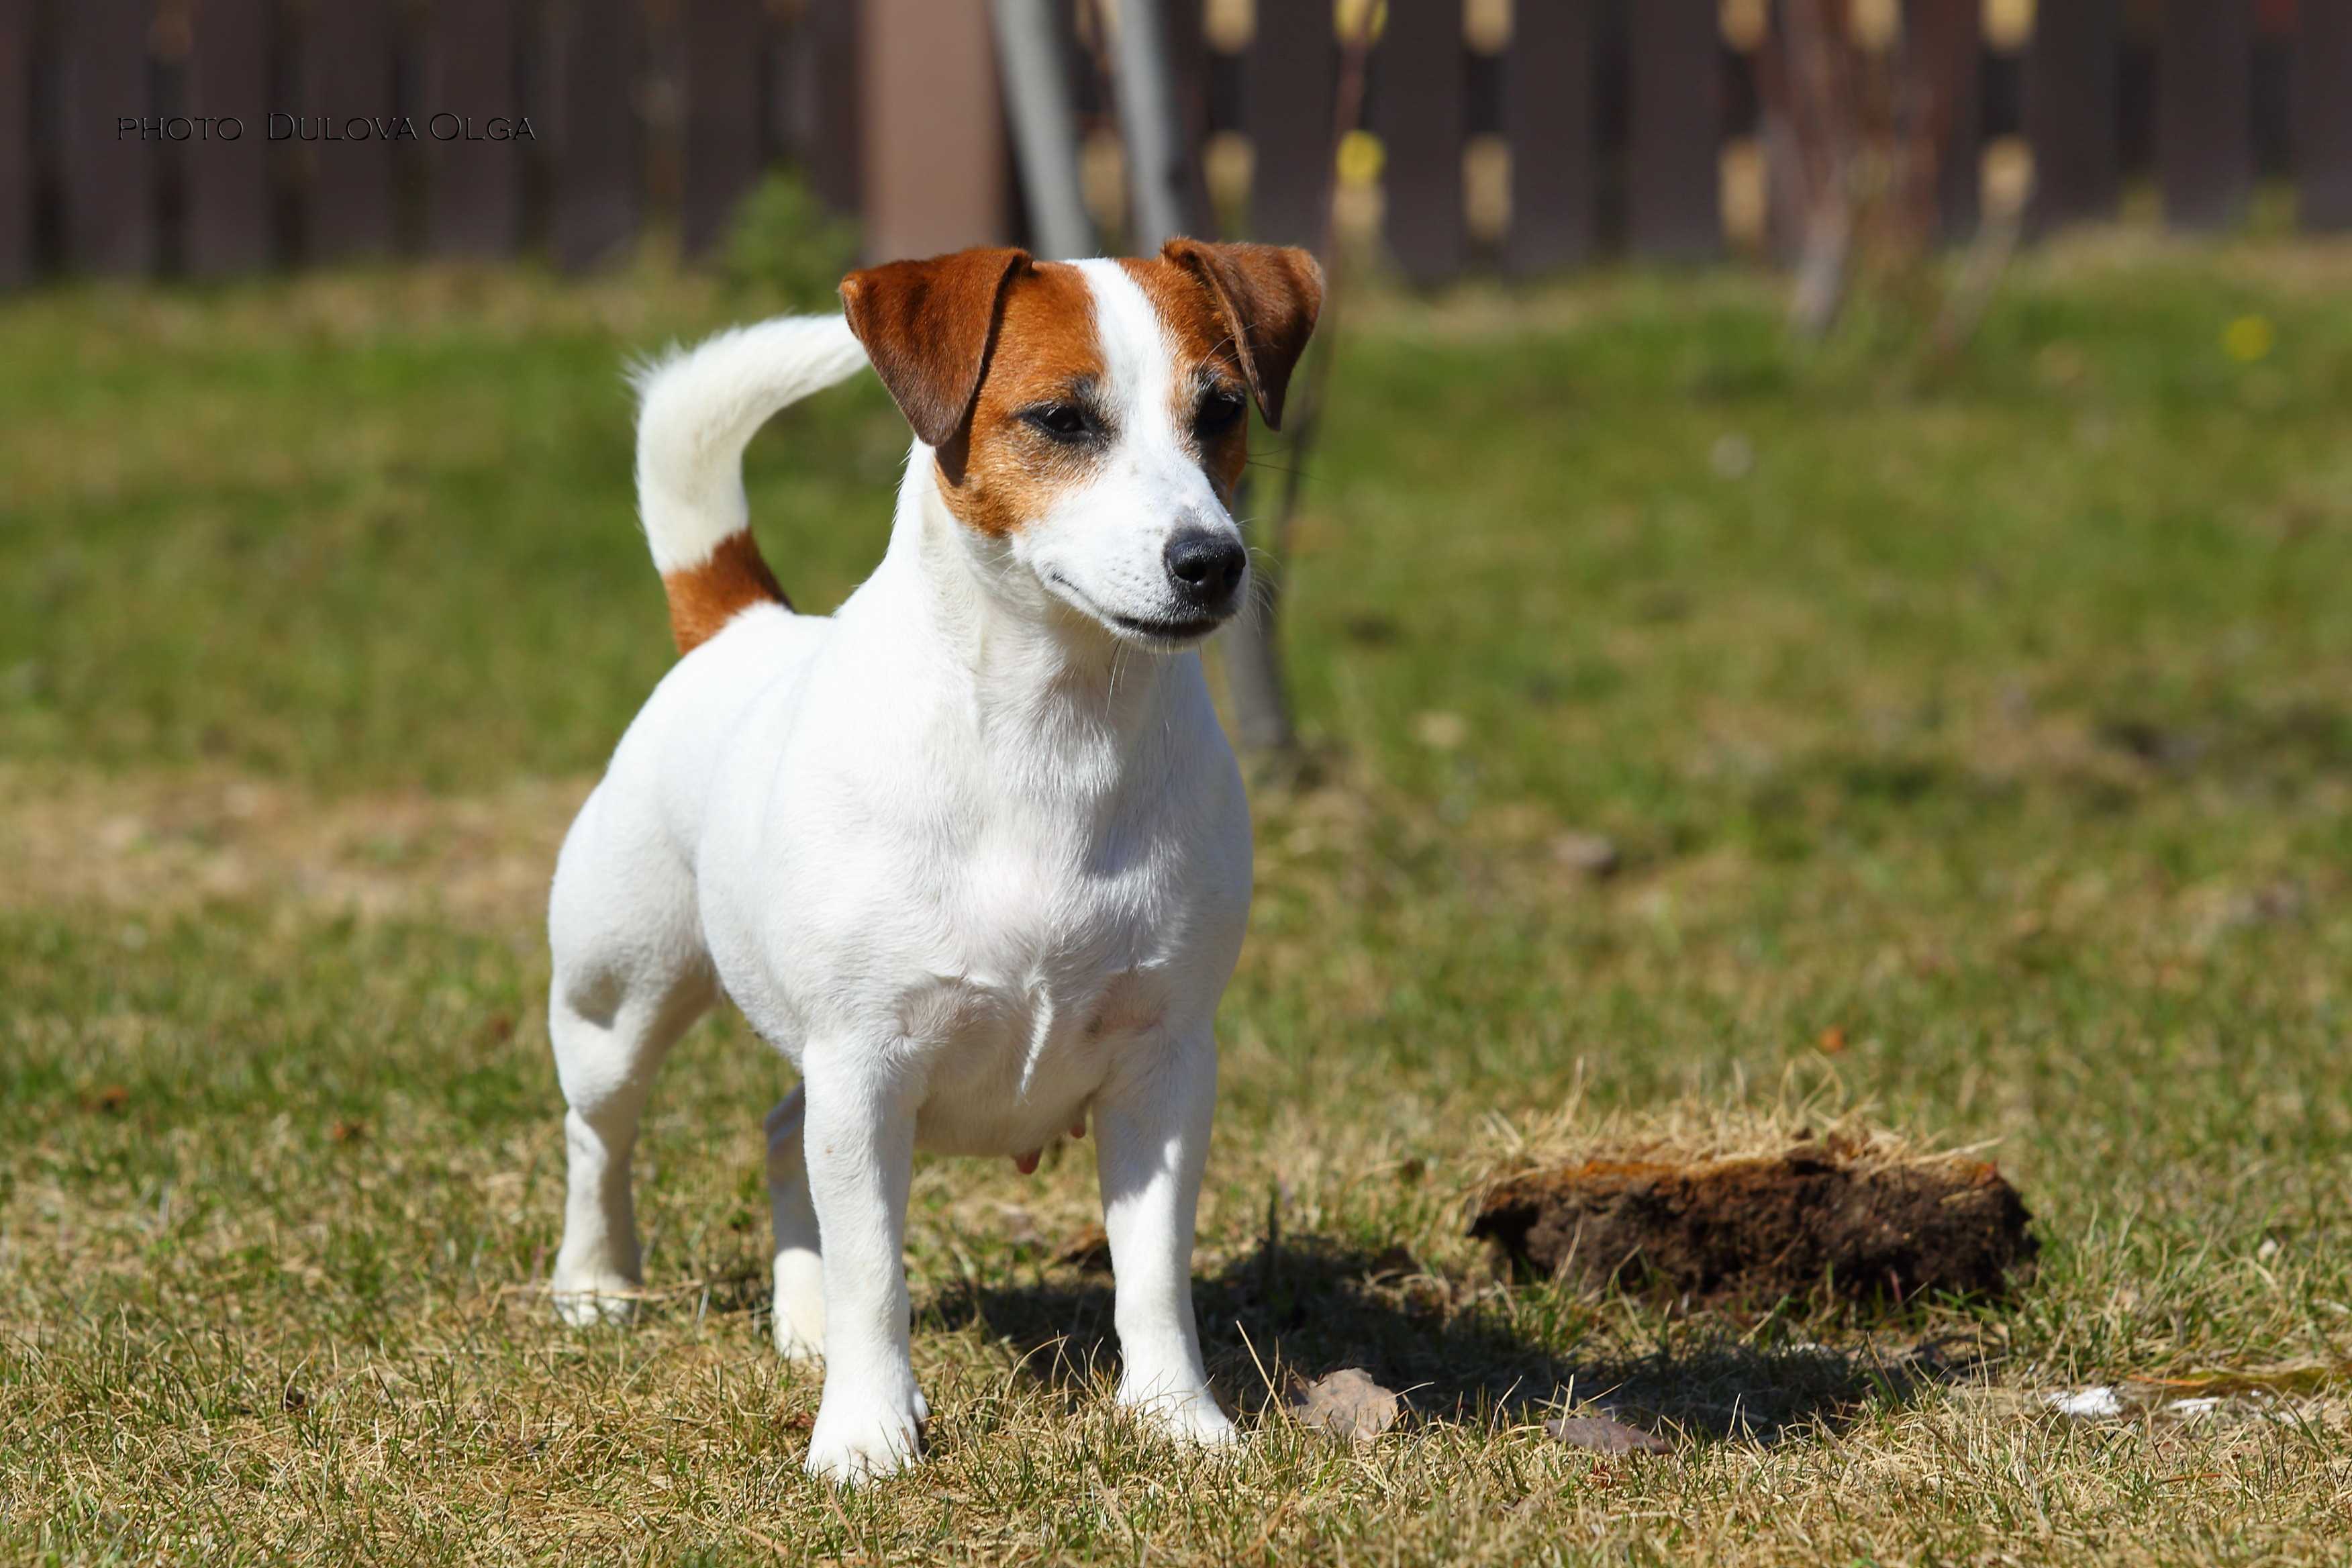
1045 131
1147 122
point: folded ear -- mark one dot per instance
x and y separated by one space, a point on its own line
929 326
1269 296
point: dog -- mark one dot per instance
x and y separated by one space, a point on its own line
972 852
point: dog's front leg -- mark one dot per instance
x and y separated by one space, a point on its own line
860 1143
1151 1139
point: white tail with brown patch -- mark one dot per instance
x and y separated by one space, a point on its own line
697 410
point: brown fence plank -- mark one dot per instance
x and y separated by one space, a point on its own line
2323 116
474 189
831 153
1287 111
2204 105
1419 120
1188 67
721 154
596 193
229 212
1674 161
18 251
349 67
785 82
109 173
1552 119
2073 85
1947 39
933 130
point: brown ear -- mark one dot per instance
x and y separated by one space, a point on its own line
928 326
1269 296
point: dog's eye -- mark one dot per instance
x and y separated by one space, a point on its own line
1219 411
1062 421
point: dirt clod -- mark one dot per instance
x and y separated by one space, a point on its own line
1758 1229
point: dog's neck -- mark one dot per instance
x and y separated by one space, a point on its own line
1036 673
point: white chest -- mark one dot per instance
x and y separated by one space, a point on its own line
1000 930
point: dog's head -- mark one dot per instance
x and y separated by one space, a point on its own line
1089 420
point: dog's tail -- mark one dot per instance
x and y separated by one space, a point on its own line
697 410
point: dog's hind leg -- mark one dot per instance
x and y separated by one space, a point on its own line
799 1273
606 1060
631 976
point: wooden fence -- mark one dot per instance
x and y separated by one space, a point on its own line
213 137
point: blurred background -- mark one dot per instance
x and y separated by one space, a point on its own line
1479 135
1811 556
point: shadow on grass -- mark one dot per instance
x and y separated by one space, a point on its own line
1311 1306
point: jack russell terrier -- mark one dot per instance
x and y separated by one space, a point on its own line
972 852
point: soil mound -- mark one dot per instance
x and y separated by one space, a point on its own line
1753 1230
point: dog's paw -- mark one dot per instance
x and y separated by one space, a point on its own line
583 1303
1191 1416
864 1436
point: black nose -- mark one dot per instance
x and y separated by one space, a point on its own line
1205 566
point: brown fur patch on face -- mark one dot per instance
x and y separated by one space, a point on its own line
1208 368
706 598
1003 471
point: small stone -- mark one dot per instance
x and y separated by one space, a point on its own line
1589 855
1348 1404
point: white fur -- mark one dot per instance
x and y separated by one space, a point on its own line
973 858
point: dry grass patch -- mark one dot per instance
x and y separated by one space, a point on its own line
165 845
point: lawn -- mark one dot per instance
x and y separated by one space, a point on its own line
1976 740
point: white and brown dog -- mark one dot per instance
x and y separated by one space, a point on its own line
972 852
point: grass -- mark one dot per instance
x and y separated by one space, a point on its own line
1978 744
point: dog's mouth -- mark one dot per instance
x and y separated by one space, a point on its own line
1173 632
1165 632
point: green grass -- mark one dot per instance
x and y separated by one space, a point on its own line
1980 742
